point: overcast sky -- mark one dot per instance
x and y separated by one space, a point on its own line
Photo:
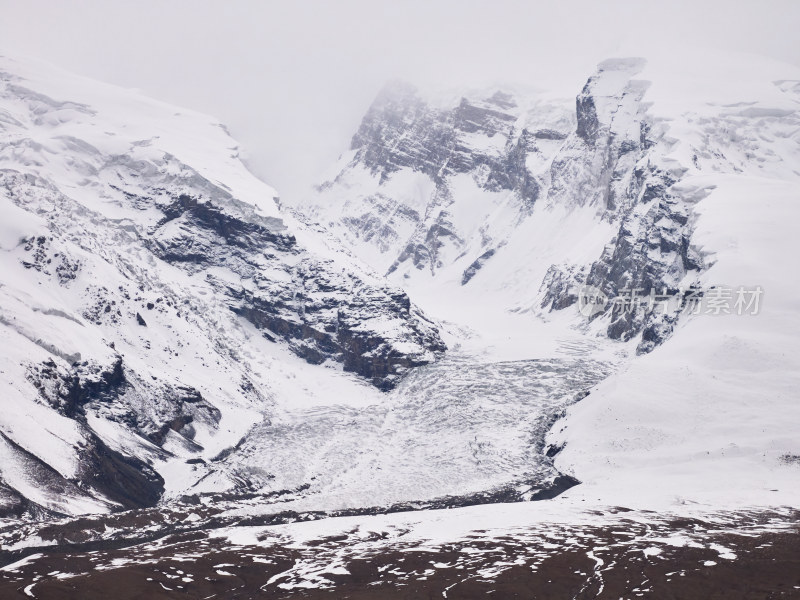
292 79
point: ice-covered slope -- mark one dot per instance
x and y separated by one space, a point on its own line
155 305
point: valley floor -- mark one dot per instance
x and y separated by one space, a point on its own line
500 551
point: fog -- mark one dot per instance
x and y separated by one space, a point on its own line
292 79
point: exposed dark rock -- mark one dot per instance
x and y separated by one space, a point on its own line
50 261
552 451
401 130
651 253
92 387
586 112
123 479
548 134
307 313
202 214
369 354
13 505
559 287
89 382
768 556
559 485
476 265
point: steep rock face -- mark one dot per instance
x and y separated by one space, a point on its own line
615 161
361 333
401 130
651 254
414 164
594 165
151 293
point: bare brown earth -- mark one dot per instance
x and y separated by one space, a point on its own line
633 555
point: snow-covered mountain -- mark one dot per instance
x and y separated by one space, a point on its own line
532 196
675 178
152 295
407 337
